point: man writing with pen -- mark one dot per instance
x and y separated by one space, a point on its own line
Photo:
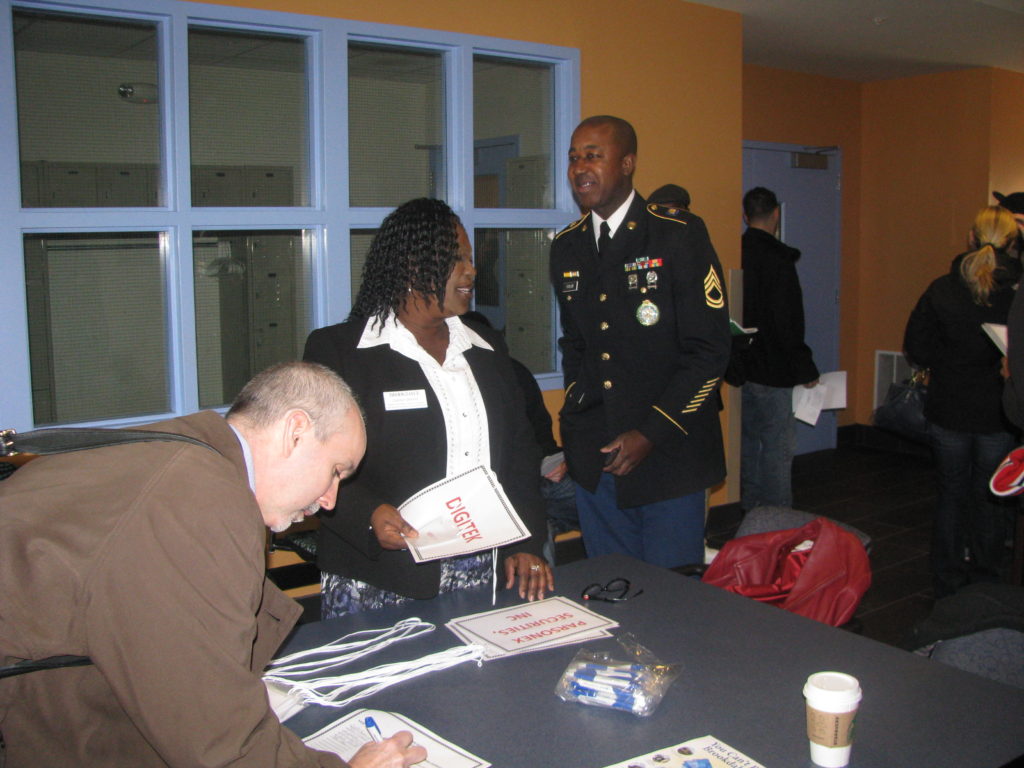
147 559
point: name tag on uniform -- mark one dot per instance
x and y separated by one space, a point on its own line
405 399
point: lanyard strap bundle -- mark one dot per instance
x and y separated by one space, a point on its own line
302 673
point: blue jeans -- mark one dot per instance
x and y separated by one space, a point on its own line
560 500
967 516
667 533
766 452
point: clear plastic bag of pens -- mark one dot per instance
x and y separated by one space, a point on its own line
633 680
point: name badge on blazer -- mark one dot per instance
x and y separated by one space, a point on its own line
404 400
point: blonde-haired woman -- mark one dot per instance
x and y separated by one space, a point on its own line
968 431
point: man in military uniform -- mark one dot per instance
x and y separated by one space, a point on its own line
645 343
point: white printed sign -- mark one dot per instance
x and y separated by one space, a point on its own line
461 514
531 626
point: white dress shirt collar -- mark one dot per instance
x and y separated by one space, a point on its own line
453 384
247 454
460 337
614 220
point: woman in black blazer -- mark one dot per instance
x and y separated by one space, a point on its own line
439 397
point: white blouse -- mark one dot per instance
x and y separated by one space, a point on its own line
453 383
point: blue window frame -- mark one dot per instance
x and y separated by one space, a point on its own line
177 197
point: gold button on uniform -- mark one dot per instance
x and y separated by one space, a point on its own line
603 297
604 326
607 385
605 356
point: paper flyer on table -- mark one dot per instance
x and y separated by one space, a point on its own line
705 752
531 626
492 652
461 514
344 737
828 395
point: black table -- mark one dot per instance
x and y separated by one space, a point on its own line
744 666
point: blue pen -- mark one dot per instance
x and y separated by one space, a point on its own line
373 729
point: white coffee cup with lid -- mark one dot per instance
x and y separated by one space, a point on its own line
832 702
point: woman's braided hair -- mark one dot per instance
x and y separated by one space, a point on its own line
415 249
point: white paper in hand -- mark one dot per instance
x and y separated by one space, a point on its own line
998 333
462 514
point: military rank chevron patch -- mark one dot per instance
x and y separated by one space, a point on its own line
713 294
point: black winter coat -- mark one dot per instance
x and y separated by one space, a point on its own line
773 303
944 334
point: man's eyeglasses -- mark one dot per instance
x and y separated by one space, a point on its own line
615 591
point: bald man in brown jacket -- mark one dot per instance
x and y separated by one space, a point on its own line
149 559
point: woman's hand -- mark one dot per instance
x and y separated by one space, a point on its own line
557 474
391 528
534 574
396 751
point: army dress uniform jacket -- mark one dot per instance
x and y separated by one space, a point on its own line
645 343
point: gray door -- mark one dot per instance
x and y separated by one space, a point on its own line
810 198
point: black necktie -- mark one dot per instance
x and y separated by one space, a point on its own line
605 240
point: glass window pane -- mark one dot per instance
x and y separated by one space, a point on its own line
513 133
252 295
97 327
359 246
513 291
88 121
396 125
248 118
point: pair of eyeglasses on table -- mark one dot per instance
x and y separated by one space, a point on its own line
615 591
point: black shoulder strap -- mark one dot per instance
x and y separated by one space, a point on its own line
35 665
44 441
64 440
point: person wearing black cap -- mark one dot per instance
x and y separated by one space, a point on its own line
671 195
1014 203
1013 392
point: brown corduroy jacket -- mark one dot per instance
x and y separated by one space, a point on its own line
149 559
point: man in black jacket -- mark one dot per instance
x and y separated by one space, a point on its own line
777 360
645 342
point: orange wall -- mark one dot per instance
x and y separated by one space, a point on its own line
672 68
1007 134
926 174
793 108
